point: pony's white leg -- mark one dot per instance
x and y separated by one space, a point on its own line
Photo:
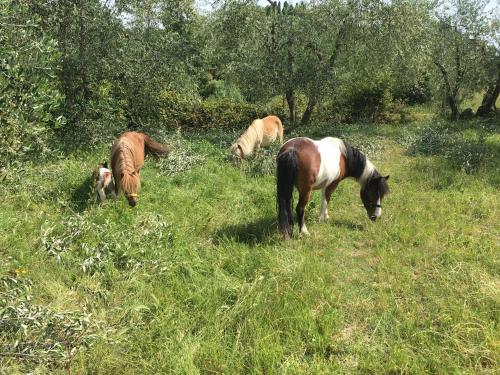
323 216
304 231
102 194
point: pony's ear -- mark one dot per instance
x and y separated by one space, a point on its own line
386 177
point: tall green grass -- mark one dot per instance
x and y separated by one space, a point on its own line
196 279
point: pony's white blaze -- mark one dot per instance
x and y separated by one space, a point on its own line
329 170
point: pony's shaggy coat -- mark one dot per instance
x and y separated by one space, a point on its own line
127 159
261 133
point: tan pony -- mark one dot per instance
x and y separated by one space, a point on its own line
127 158
262 132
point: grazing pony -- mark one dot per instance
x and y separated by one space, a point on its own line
308 164
262 132
103 181
127 158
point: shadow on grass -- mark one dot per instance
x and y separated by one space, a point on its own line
82 196
252 233
348 225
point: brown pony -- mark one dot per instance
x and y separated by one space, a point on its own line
127 158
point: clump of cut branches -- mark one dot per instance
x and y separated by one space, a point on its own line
37 333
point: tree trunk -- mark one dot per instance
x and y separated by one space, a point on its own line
451 95
452 102
489 99
306 116
82 54
290 99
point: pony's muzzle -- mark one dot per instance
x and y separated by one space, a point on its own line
373 218
132 199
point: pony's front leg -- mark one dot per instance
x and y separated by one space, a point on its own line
257 148
326 193
323 216
102 194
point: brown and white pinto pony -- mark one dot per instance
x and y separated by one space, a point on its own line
262 132
103 181
127 158
308 165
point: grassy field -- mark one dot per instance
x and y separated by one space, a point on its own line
195 279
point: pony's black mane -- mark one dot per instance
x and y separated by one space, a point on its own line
381 183
356 161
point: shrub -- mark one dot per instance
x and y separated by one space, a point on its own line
369 101
218 89
103 120
29 93
417 92
224 113
177 110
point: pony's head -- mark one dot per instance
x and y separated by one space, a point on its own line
236 150
130 184
372 194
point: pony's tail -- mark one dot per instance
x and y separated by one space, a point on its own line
154 148
286 174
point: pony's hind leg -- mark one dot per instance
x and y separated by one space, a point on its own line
301 206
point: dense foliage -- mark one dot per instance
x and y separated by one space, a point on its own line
78 73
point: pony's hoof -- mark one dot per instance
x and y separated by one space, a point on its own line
304 232
324 218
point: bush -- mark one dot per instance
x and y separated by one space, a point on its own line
179 111
219 89
103 119
228 114
369 101
418 92
29 92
